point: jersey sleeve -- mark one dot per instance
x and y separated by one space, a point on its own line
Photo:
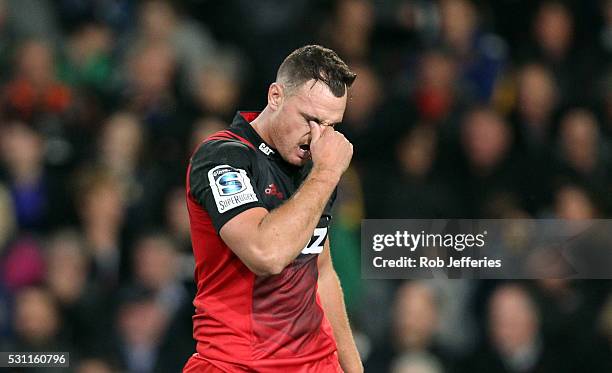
222 180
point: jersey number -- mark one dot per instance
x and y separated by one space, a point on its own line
315 246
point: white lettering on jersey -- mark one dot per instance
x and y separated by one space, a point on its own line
265 149
315 246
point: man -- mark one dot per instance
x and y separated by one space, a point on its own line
259 199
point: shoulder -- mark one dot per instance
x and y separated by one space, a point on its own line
212 159
222 150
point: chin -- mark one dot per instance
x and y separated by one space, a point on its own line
293 159
297 161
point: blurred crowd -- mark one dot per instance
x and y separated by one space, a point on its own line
461 108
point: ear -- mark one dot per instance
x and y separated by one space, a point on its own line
276 95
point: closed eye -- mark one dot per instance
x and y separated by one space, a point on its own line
310 118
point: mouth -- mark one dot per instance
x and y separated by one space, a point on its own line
304 151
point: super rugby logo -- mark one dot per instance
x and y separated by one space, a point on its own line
231 187
229 182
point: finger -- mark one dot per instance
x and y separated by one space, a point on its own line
315 132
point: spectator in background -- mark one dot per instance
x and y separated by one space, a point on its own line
430 95
533 120
555 45
491 168
216 86
36 192
67 280
481 56
121 148
514 332
27 201
191 43
146 342
553 30
34 92
574 202
579 142
101 208
87 64
569 308
412 188
37 322
140 324
569 320
582 155
22 264
66 268
486 139
151 67
65 100
350 28
156 269
22 156
150 95
536 104
436 93
413 327
417 153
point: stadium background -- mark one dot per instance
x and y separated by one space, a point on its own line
461 109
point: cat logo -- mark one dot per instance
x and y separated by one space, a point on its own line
265 149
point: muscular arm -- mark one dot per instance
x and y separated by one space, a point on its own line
332 300
268 241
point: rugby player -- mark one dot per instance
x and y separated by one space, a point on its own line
260 196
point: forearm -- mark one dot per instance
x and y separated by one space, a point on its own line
290 226
332 301
267 241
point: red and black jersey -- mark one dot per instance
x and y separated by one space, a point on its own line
243 321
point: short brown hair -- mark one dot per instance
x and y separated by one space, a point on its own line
318 63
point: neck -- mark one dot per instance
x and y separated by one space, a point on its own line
263 125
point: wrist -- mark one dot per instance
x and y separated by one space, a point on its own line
326 176
357 367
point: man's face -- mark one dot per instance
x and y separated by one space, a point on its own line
307 104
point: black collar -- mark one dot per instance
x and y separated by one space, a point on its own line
242 126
